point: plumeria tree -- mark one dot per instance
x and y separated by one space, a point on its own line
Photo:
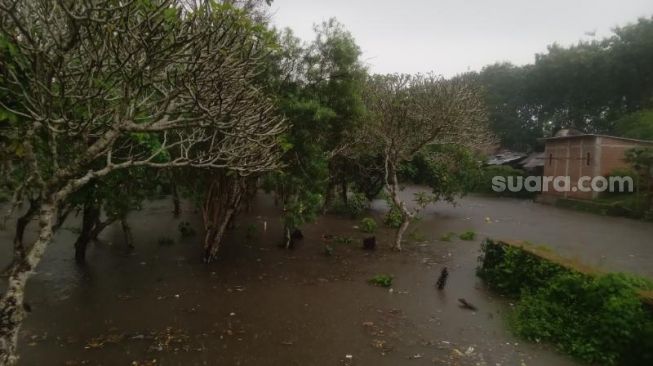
409 113
97 86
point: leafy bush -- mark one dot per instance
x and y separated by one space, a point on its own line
417 236
467 235
355 206
596 318
450 170
368 225
381 280
393 217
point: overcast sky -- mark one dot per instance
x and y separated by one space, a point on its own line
453 36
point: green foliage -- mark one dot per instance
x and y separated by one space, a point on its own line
596 318
393 218
641 162
381 280
449 170
346 240
319 88
302 207
587 86
448 236
509 270
467 235
368 225
637 125
355 206
417 236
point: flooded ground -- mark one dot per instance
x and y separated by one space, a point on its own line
261 305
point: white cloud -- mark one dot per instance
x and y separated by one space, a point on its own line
452 36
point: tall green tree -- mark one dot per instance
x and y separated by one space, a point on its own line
319 87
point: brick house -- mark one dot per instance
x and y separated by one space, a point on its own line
573 154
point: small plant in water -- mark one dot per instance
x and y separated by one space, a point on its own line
381 280
328 250
185 229
343 240
448 236
368 225
467 235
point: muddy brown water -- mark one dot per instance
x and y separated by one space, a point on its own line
261 305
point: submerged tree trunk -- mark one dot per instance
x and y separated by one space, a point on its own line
90 219
343 191
288 241
12 310
175 199
399 236
221 203
127 232
392 188
328 196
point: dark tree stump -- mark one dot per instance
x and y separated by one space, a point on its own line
297 235
442 280
369 243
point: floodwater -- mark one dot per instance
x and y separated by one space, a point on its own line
262 305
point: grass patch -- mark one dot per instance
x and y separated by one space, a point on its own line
381 280
343 240
467 235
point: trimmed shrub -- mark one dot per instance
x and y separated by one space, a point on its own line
356 205
598 318
368 225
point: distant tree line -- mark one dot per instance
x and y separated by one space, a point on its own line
601 86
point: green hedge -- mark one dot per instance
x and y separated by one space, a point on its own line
598 318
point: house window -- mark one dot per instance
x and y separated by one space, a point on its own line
588 159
